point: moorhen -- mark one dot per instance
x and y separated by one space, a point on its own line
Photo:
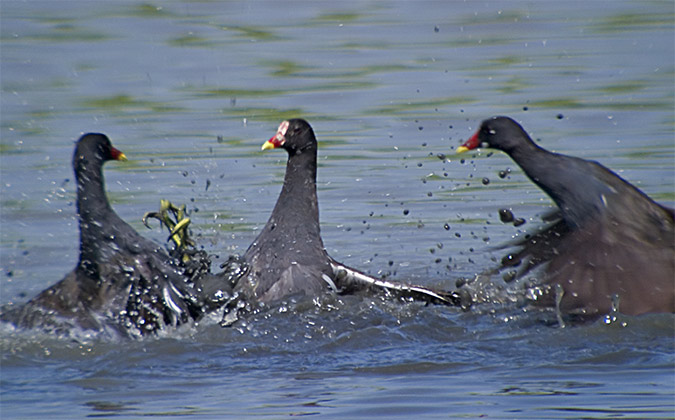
612 243
123 282
288 256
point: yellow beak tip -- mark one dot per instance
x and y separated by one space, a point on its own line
122 157
462 149
267 145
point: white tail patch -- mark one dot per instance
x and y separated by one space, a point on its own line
169 300
330 282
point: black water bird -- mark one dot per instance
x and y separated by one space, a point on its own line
288 256
123 283
611 244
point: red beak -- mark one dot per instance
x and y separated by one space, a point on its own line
116 154
470 144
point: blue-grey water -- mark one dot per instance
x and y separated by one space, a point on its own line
189 91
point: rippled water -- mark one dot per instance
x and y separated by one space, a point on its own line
190 90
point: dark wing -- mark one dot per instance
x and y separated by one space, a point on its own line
535 249
601 260
60 309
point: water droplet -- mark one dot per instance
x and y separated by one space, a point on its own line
505 215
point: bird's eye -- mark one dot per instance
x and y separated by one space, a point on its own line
491 131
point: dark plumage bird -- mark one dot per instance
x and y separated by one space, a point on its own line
611 240
288 256
123 282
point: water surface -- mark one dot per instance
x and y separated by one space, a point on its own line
190 90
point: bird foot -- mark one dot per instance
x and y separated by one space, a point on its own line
176 221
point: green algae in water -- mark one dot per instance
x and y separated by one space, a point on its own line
125 102
269 114
624 87
191 40
284 68
428 106
241 93
338 17
252 32
618 105
557 103
634 21
148 10
67 32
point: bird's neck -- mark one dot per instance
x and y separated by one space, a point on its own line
529 156
298 198
559 177
296 213
93 210
91 198
533 160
